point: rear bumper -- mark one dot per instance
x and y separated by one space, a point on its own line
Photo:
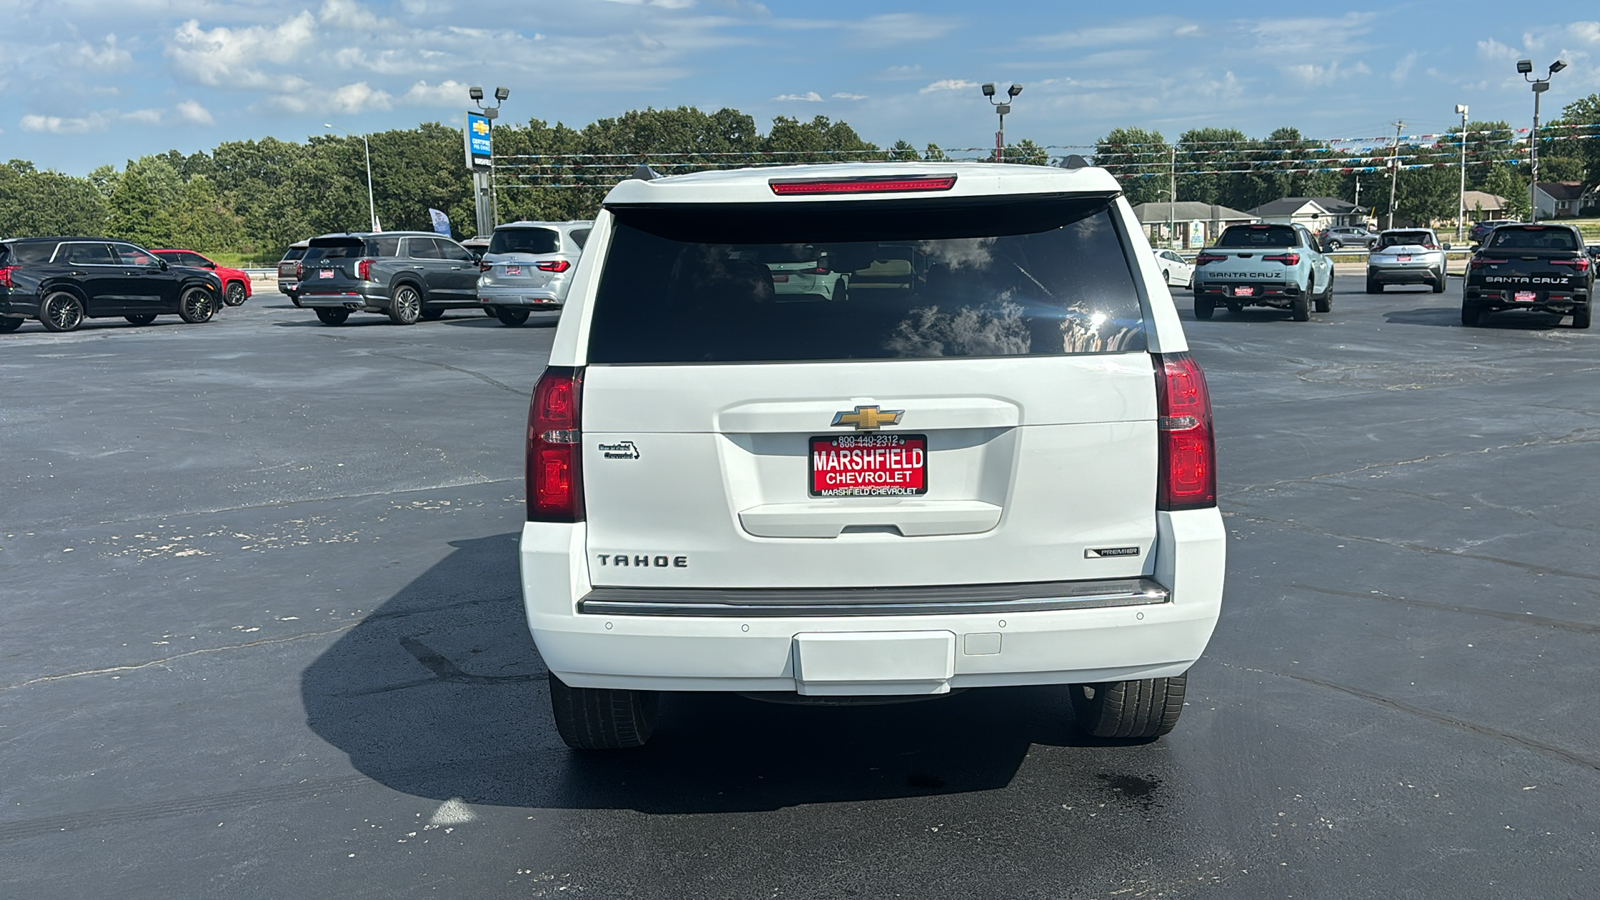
1096 631
344 300
532 298
1227 291
287 287
1425 274
1563 301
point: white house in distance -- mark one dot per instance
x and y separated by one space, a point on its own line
1314 213
1481 205
1187 224
1558 199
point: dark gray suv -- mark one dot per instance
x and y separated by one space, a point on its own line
407 275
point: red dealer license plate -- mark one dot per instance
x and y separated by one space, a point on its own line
1526 296
1244 291
869 465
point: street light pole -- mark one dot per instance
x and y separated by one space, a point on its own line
491 113
372 209
1001 107
1394 170
1540 85
1461 202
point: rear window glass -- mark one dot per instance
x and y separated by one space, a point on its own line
525 240
1526 238
1258 236
1032 276
23 254
580 236
1407 238
294 253
352 248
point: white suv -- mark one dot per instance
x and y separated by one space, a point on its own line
987 460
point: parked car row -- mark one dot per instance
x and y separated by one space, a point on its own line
409 276
62 281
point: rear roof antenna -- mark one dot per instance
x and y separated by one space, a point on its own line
1074 161
643 173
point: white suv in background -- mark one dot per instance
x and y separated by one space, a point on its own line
986 460
527 268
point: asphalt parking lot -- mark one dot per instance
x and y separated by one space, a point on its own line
263 638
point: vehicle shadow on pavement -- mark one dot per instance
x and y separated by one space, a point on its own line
440 693
1450 317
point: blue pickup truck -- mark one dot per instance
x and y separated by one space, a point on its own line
1263 265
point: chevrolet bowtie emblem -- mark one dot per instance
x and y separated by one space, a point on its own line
867 418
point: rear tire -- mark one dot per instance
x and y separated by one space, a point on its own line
1148 708
405 305
234 295
490 311
1471 314
602 719
1438 286
196 305
1204 306
332 315
1300 307
1580 316
1373 287
1325 299
511 317
61 312
9 325
141 318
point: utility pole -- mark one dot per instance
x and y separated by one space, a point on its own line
1394 170
1540 85
1461 204
1172 190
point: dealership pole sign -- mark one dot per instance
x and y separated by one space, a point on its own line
476 133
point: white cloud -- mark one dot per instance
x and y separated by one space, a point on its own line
229 57
1493 49
1403 67
65 125
1189 30
948 84
1138 31
808 97
351 16
358 97
1313 75
104 57
1589 32
843 96
445 93
193 112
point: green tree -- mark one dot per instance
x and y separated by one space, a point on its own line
1140 160
1510 182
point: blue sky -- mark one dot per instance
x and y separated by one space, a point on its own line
87 82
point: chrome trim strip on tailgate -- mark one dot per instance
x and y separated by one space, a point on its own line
889 601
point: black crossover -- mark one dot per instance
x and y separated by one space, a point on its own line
63 280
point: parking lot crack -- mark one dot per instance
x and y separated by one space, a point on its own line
1519 618
1438 718
520 392
1536 568
134 667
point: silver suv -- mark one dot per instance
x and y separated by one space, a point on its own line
1407 256
986 460
528 268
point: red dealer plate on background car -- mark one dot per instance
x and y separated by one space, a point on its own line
1526 296
869 465
1244 292
1405 257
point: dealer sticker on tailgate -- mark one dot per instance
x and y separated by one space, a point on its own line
869 465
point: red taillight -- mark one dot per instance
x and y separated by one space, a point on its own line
817 271
484 267
1479 262
364 270
299 269
1582 265
1204 258
1188 447
1288 259
892 184
5 276
1430 246
554 265
555 490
